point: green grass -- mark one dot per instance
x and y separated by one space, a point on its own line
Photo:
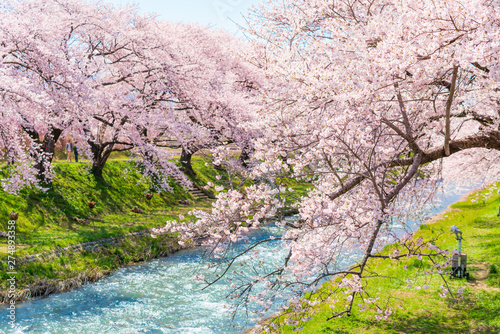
295 190
206 172
46 219
65 272
424 311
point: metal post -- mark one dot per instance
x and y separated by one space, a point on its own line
460 253
458 235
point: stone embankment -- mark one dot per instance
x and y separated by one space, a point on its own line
85 246
44 287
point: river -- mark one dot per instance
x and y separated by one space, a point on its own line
160 296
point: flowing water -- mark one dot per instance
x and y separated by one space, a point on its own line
160 296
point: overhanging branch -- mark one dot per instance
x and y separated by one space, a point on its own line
488 140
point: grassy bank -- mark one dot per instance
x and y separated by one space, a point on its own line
46 220
73 269
423 310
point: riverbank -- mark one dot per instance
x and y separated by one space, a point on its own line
422 310
71 269
59 219
54 253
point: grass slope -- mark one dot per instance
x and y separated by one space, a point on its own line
46 219
424 311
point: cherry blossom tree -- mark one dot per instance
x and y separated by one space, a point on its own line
190 84
377 101
115 80
216 91
55 72
34 84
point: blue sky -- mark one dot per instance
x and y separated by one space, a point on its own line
217 13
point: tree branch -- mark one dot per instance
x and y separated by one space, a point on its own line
448 108
489 140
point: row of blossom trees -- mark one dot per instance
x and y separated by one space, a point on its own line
115 80
371 101
375 102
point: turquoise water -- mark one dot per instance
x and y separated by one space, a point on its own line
160 296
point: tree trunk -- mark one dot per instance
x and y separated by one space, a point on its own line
43 151
186 155
245 155
100 157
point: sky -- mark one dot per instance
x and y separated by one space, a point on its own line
216 13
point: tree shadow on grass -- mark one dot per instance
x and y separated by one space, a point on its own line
475 313
46 203
335 331
487 223
408 323
437 324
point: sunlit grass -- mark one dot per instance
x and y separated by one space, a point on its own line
46 219
424 311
